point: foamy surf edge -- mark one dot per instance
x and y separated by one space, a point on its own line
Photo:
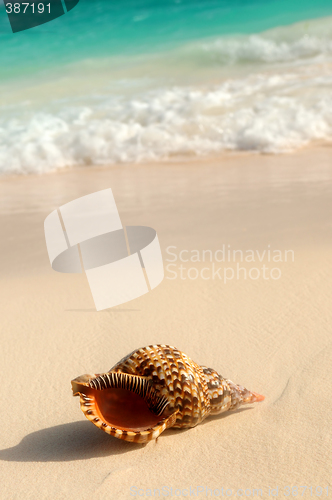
282 101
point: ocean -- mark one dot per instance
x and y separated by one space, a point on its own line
138 80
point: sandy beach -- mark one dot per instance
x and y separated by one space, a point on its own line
270 333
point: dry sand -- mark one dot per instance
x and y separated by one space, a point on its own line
271 335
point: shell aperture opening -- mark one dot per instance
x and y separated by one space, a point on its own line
125 409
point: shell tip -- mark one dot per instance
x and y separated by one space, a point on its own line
258 397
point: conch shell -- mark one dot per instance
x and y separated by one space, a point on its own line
155 388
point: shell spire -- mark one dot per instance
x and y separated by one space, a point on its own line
225 395
155 388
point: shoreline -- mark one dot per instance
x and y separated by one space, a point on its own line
314 147
216 187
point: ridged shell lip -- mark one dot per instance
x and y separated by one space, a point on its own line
79 382
124 405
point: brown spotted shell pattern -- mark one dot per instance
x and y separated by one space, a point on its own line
155 388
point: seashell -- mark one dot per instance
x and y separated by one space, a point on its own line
155 388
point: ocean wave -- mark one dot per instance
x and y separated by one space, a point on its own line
263 50
174 122
305 40
275 109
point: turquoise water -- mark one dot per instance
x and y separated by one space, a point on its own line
101 28
136 81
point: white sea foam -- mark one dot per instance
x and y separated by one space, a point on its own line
305 40
270 108
261 49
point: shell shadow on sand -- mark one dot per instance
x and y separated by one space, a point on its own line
65 443
79 441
